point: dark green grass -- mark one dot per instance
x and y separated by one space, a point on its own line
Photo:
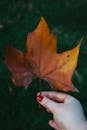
68 19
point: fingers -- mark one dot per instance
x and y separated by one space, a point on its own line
57 97
48 104
55 126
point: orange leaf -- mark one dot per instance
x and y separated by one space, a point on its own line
41 60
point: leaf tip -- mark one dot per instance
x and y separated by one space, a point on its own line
80 42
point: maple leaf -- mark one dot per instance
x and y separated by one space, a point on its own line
42 60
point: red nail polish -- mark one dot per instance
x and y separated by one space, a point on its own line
39 98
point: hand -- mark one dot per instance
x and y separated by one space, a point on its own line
67 111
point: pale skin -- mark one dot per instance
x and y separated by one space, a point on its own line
67 111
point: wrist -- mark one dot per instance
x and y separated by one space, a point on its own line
80 126
83 126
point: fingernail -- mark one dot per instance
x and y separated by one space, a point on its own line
39 98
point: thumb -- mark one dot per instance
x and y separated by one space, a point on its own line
48 104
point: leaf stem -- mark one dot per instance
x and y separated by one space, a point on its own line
40 85
40 89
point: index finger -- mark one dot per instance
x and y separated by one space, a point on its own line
57 96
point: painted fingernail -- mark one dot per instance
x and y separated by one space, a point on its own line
39 98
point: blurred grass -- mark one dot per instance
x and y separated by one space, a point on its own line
67 19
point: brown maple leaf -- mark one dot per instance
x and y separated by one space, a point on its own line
41 60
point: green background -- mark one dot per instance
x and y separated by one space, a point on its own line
19 109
